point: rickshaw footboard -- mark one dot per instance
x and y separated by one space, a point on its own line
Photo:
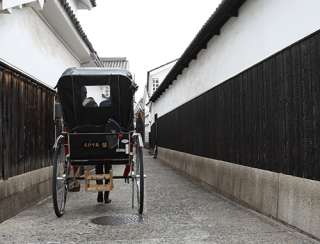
106 181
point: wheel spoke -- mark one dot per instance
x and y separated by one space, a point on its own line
59 183
138 192
138 170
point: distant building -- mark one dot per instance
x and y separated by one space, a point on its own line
154 79
115 62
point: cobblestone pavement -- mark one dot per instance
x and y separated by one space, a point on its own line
178 210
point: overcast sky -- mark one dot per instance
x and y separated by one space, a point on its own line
148 32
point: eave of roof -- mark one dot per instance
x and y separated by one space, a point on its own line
226 10
76 23
5 65
162 65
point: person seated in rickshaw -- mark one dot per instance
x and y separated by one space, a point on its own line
106 97
87 102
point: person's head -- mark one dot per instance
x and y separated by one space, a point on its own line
105 90
89 102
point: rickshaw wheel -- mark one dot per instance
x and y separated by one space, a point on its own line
139 178
59 179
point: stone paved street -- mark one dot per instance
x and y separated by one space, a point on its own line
178 210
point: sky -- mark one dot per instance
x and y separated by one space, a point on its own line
148 32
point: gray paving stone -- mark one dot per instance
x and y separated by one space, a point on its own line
177 210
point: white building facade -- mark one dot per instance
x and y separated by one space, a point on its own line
42 38
39 41
154 79
261 29
236 110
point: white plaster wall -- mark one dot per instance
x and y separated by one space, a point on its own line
29 44
160 74
151 77
263 28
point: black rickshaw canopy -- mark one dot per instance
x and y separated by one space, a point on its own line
73 86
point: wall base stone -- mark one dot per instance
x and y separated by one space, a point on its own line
22 191
292 200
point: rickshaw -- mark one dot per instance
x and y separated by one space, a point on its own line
97 110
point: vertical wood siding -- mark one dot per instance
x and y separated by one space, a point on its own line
26 124
267 117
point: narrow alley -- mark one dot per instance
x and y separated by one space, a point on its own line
177 210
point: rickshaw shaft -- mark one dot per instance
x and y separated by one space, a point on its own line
113 177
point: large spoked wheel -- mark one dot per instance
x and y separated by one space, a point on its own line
59 179
138 182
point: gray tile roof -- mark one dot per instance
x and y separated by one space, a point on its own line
76 23
226 10
115 63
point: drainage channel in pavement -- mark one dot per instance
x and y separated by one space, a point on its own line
118 220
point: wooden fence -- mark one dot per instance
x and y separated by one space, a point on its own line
267 117
26 123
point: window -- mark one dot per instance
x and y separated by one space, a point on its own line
96 96
155 81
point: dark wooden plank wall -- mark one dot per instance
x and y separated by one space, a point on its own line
140 123
26 124
267 117
152 136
